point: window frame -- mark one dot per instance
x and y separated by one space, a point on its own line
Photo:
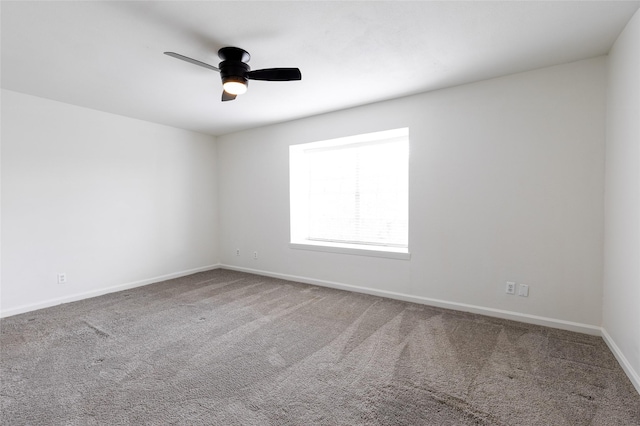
298 212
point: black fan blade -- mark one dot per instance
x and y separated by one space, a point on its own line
193 61
227 96
275 74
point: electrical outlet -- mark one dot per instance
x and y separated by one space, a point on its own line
62 278
523 290
510 288
255 254
237 252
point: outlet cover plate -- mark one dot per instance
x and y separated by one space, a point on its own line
510 287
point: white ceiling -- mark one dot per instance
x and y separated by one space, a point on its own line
108 55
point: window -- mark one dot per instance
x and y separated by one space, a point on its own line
352 194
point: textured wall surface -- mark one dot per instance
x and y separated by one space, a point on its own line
621 316
106 199
506 184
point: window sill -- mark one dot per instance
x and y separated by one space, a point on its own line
355 249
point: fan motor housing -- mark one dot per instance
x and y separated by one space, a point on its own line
233 66
234 71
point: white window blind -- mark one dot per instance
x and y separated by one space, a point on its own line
352 190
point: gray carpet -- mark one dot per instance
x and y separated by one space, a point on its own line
229 348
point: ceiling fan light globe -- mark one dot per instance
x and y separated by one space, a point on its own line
235 87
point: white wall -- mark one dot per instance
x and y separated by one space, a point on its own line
621 299
111 201
506 183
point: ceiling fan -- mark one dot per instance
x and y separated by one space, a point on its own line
235 72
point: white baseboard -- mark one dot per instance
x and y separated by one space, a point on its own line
100 292
622 360
498 313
